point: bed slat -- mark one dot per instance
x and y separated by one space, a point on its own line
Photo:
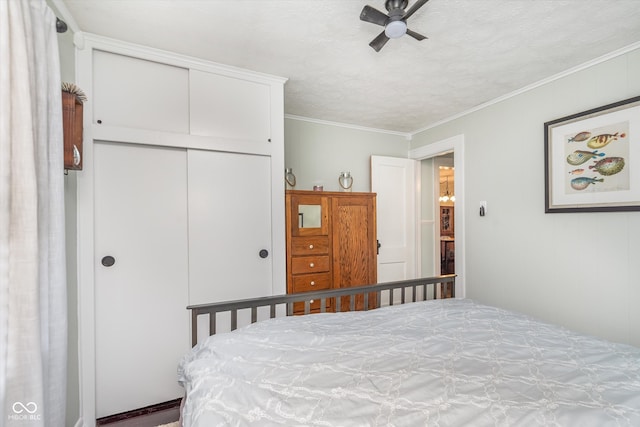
234 319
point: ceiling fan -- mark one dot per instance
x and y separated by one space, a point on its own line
395 23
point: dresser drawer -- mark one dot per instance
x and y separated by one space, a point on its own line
310 245
309 264
311 282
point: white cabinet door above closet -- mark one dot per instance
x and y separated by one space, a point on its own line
228 107
135 93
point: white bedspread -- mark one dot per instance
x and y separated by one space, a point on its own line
437 363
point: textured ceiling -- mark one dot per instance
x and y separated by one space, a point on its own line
476 51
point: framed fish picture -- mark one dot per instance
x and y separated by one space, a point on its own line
592 160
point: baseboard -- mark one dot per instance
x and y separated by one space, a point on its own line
171 404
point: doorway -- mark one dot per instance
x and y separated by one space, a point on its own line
444 179
430 248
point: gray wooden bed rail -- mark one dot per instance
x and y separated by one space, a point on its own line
429 286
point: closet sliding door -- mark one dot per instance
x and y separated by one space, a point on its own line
230 254
140 274
172 227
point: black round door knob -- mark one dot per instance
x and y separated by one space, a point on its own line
108 261
263 253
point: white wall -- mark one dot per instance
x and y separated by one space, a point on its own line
67 74
577 269
318 152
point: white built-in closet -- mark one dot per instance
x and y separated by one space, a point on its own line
181 201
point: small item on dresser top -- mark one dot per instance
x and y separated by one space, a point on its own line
318 188
345 180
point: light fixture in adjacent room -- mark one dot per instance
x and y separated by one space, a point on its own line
446 197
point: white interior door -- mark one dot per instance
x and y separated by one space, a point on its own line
394 181
229 226
141 324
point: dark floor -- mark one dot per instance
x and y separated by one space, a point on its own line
151 416
149 420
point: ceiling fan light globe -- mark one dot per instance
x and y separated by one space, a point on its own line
395 29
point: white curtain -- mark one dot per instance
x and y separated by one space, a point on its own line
33 313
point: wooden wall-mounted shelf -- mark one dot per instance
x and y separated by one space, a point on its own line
72 128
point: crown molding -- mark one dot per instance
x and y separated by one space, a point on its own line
405 135
583 66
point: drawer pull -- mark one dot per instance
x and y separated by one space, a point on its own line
311 265
310 246
312 283
311 302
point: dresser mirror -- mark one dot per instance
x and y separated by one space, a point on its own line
309 216
309 212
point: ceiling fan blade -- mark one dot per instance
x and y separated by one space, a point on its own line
415 35
374 16
379 41
417 5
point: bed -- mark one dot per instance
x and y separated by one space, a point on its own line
416 361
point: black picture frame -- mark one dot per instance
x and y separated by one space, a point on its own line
592 160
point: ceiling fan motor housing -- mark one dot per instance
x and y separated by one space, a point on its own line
396 4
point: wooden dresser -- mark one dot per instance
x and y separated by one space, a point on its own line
331 243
